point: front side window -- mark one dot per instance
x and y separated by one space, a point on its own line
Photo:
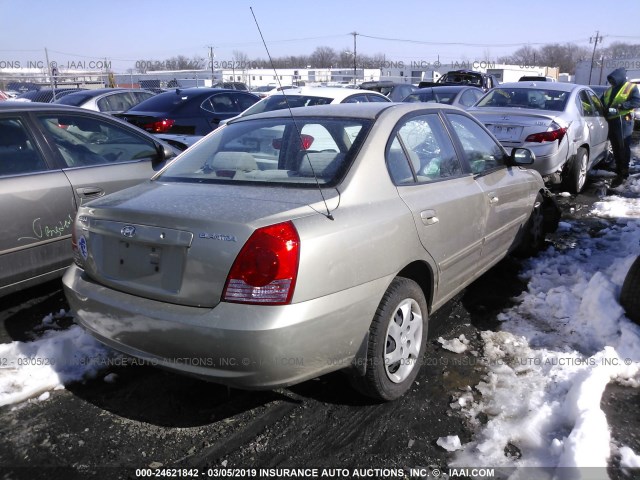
18 154
85 141
481 151
278 151
584 104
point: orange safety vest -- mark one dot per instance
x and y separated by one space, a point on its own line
622 96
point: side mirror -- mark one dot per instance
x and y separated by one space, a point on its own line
165 152
522 156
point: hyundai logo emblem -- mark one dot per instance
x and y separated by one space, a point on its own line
128 231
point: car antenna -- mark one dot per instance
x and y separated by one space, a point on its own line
328 214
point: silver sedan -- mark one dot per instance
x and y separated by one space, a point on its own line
562 123
290 244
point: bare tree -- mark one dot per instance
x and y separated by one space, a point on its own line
621 50
323 57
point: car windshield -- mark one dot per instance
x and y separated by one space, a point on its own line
538 98
465 78
280 151
280 102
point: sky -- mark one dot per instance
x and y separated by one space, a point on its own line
124 32
565 339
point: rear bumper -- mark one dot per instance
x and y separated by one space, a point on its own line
549 158
245 346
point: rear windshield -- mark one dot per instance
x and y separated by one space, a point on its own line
273 151
536 98
74 99
163 102
280 102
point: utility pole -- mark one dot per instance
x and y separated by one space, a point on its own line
595 41
355 62
211 63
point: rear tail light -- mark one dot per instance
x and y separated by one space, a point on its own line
266 268
551 136
305 142
161 126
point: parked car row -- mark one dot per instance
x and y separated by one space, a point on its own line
333 216
341 226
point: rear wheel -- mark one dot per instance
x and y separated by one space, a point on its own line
397 340
576 175
629 295
533 236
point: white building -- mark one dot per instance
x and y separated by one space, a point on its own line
596 74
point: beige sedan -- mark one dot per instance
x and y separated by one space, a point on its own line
284 247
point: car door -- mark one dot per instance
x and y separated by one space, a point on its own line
36 208
99 156
507 199
599 128
447 204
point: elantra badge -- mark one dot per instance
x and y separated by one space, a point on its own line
128 231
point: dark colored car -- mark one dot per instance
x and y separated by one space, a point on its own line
456 95
108 100
53 159
484 81
395 91
232 86
46 95
189 111
599 89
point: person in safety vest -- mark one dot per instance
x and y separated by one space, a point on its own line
619 101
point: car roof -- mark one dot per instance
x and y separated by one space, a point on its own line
94 92
446 88
369 110
11 106
559 86
337 93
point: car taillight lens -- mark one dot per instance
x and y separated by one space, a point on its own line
161 126
266 268
551 136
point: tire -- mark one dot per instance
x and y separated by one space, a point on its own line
397 340
630 293
576 175
533 236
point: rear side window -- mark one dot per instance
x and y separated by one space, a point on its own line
421 152
228 103
470 97
116 102
18 154
85 141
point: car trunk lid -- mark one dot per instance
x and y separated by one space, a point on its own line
511 127
176 242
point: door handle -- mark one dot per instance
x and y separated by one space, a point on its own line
429 217
90 191
493 198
